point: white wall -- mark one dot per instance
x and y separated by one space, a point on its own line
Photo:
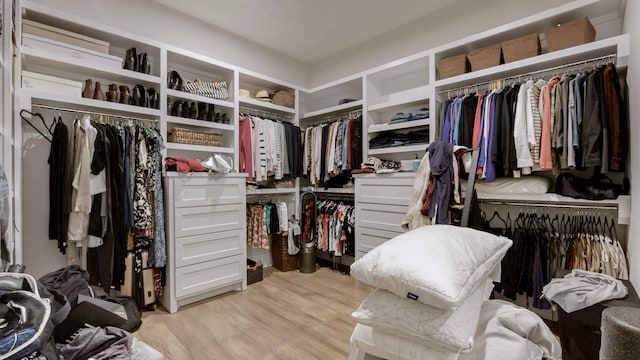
632 27
457 21
155 21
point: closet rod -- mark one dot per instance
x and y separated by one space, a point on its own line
353 114
611 59
264 114
549 205
76 111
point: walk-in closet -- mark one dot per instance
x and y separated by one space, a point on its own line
319 180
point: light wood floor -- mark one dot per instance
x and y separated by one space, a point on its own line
288 315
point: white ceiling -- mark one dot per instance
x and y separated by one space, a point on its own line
308 30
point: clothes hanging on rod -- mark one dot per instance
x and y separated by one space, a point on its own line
334 227
263 220
332 149
106 195
543 244
269 149
570 121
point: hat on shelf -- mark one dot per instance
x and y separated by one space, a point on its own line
263 95
244 93
283 98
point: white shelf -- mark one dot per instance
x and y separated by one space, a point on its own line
266 105
199 123
348 190
201 148
399 149
35 59
79 103
403 98
274 191
615 45
334 109
198 98
376 128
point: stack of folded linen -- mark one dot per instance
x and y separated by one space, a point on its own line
432 284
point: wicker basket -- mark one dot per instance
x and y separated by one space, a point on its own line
279 252
254 271
193 137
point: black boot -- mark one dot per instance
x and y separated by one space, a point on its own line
131 60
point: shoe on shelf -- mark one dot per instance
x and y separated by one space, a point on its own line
225 119
88 89
98 94
130 60
176 108
140 96
186 110
210 112
202 110
217 118
125 95
193 111
154 101
143 63
175 81
112 93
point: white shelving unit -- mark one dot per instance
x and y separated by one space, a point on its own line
266 106
199 123
274 191
199 148
338 109
406 149
375 128
198 98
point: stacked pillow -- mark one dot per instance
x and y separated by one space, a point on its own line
430 286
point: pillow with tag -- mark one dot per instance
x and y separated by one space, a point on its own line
447 329
439 265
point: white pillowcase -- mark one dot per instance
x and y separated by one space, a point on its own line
439 265
395 347
449 329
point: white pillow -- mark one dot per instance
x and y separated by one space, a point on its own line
439 265
449 329
395 347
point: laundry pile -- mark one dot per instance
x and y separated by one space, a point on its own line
430 301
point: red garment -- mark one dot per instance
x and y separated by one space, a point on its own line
246 153
184 164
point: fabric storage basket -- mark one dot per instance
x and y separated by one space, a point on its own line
51 84
212 89
453 65
68 37
254 271
75 52
573 33
485 57
194 137
521 48
280 254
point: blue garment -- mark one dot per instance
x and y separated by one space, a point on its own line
483 151
420 114
446 130
441 164
456 127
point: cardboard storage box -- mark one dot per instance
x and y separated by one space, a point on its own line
453 65
60 48
521 48
51 84
485 57
576 32
65 36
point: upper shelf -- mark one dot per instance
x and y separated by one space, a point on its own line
199 123
400 99
35 60
399 149
376 128
261 105
198 98
45 98
334 109
618 45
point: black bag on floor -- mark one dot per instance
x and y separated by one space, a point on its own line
70 281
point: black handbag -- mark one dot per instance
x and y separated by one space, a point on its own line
596 188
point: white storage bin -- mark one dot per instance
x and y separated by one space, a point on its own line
35 28
51 84
74 52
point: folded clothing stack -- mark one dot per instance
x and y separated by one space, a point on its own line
432 284
416 115
391 139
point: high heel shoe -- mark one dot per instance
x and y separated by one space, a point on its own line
98 94
125 95
210 112
143 63
193 110
130 60
175 81
112 93
202 110
88 89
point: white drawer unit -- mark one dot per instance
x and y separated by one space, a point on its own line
381 203
205 224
